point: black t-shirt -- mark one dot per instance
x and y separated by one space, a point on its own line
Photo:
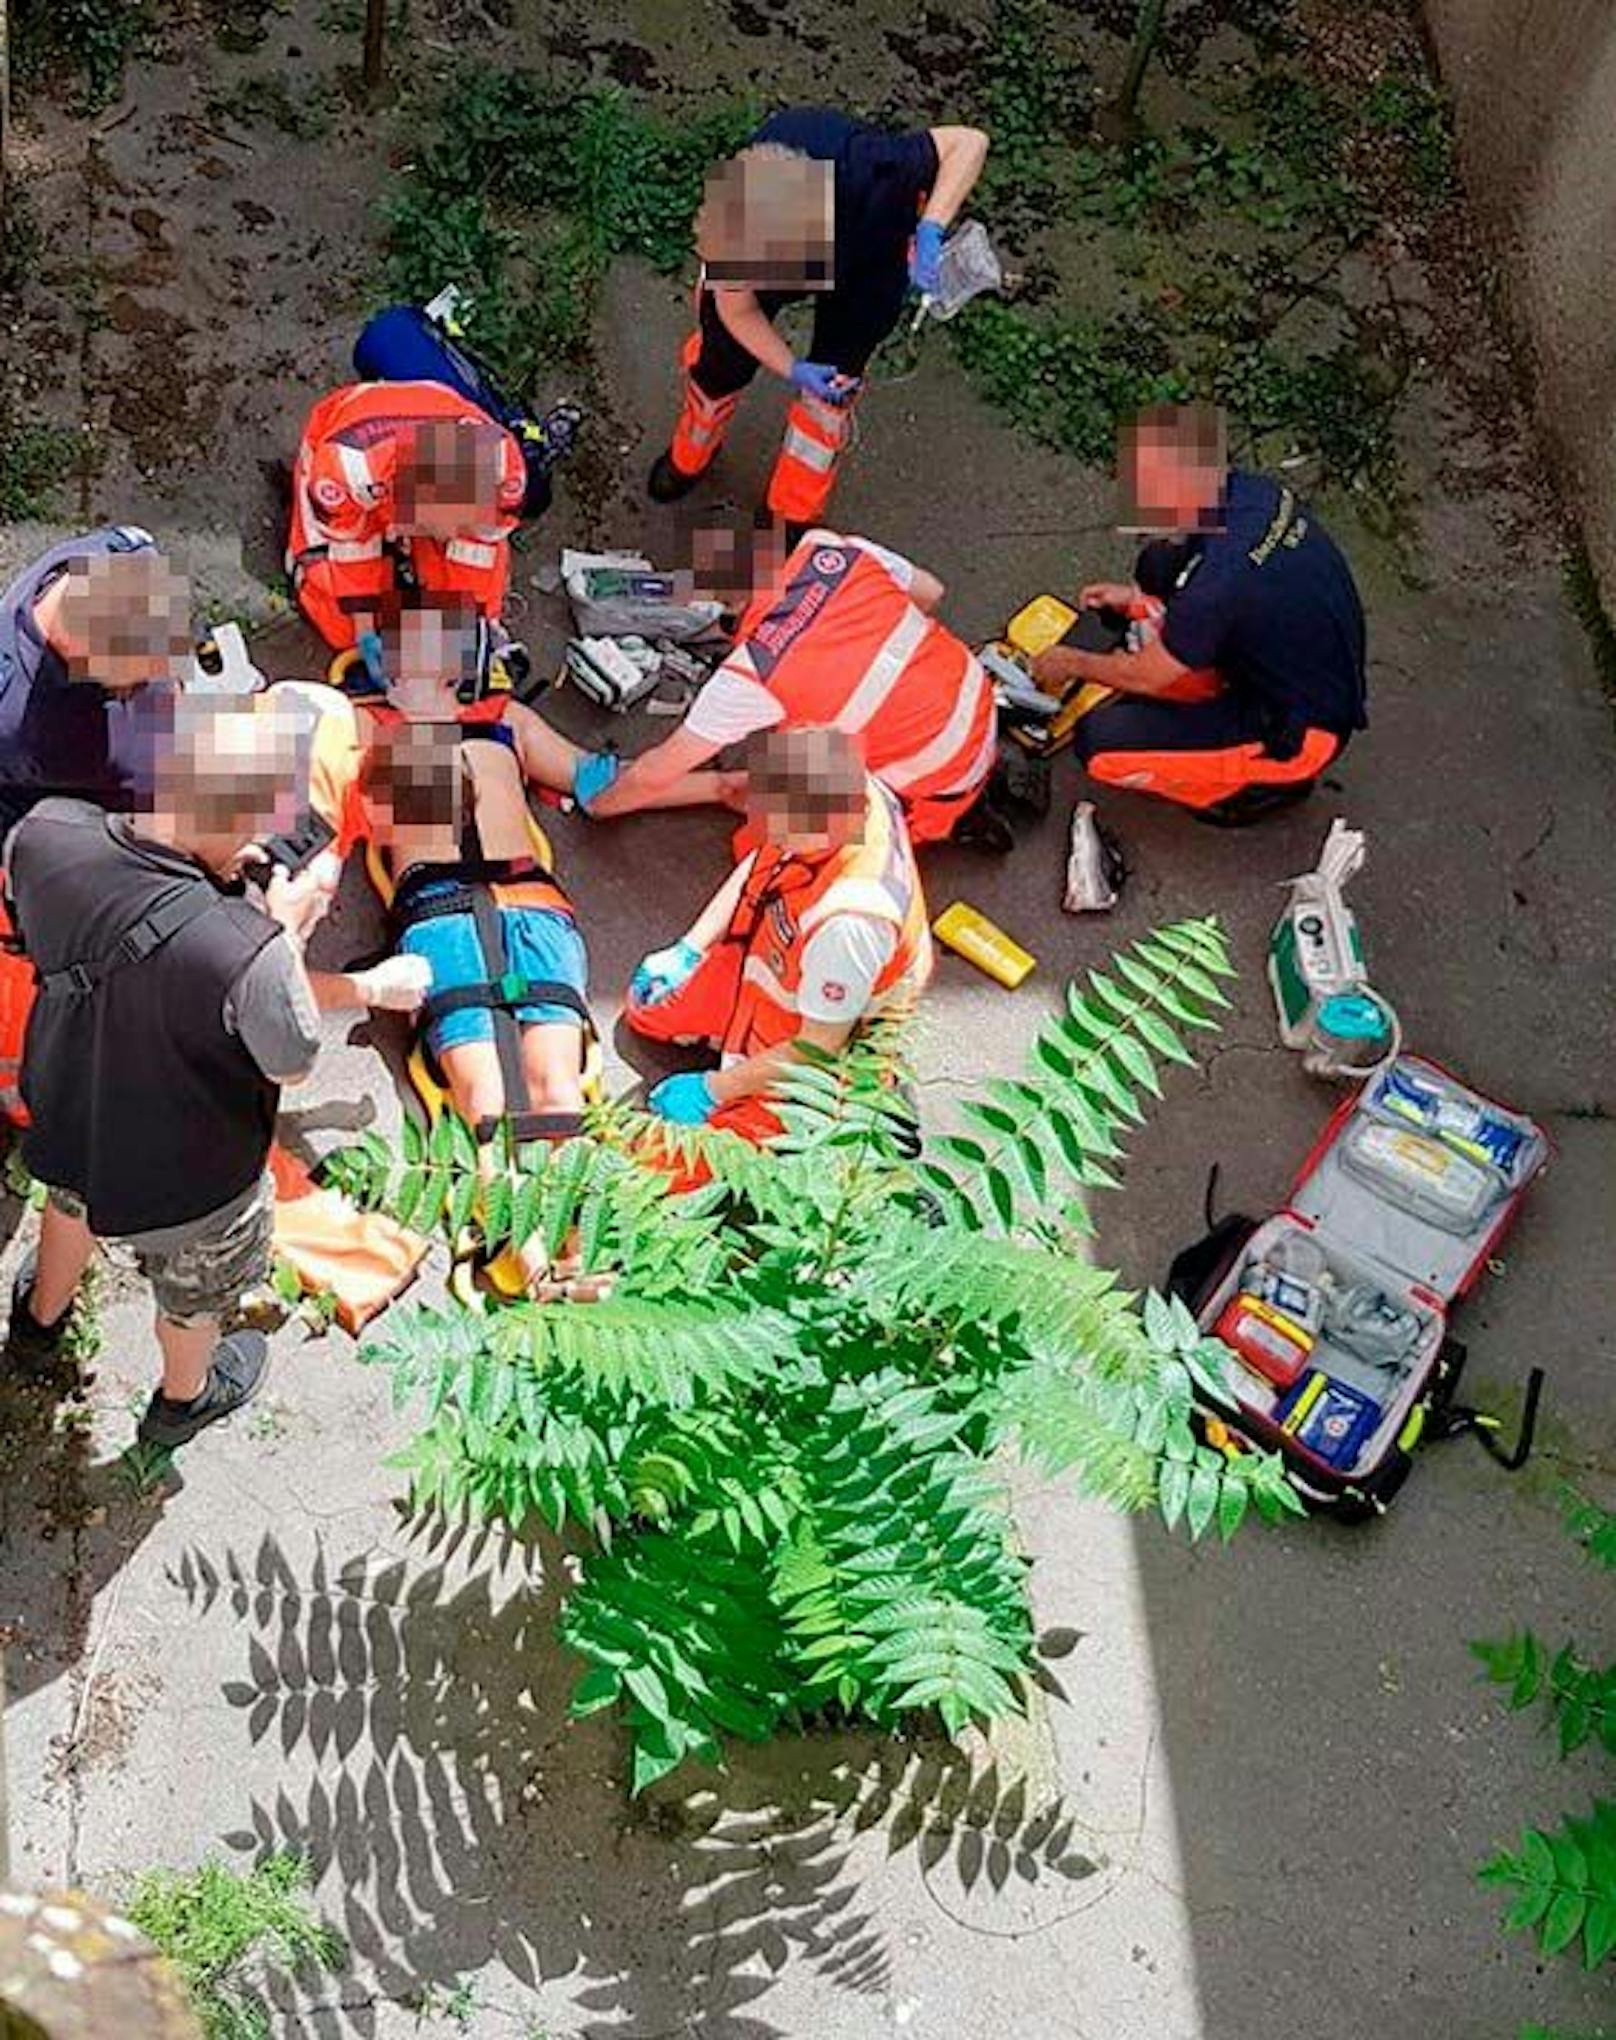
882 181
1269 601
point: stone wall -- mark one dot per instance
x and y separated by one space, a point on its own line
1534 88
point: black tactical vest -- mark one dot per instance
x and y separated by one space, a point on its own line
141 1102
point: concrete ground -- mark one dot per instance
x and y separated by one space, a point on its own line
1256 1806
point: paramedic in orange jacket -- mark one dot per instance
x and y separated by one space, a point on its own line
841 634
818 204
822 928
400 489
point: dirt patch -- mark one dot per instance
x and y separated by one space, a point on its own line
111 1715
127 314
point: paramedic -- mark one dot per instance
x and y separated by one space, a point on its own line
843 634
816 932
822 205
400 487
170 1011
1255 588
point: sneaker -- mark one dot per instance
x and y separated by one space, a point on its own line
240 1362
666 483
32 1350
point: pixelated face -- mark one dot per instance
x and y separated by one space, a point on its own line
448 479
768 222
797 816
1172 474
729 563
415 783
126 626
431 650
233 772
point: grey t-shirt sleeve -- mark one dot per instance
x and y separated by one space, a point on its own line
271 1009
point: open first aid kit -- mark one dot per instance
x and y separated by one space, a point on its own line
620 594
1335 1310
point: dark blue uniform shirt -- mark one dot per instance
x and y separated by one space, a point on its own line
882 182
1270 602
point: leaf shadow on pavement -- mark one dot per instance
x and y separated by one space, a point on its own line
457 1823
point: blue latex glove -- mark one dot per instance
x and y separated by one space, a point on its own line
591 776
926 263
684 1100
819 379
662 972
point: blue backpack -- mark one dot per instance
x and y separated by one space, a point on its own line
404 343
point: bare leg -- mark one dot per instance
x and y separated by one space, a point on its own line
187 1352
65 1247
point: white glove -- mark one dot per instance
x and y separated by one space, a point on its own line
397 984
300 904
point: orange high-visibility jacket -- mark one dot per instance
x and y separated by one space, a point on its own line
786 897
838 641
342 496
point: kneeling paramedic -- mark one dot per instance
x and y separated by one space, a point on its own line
171 1009
1255 682
818 931
399 489
841 634
817 205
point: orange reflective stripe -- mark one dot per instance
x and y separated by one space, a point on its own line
885 670
932 766
703 420
838 641
816 437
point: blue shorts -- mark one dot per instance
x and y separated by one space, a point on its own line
539 943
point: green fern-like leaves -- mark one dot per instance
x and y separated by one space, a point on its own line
684 1637
1564 1881
1036 1145
901 1588
1593 1528
779 1438
1580 1697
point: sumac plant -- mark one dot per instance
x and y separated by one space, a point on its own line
1562 1880
782 1442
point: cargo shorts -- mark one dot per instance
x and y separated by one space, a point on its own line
202 1272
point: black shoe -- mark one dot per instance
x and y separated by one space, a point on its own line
240 1362
1252 803
1021 779
666 483
983 827
33 1350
